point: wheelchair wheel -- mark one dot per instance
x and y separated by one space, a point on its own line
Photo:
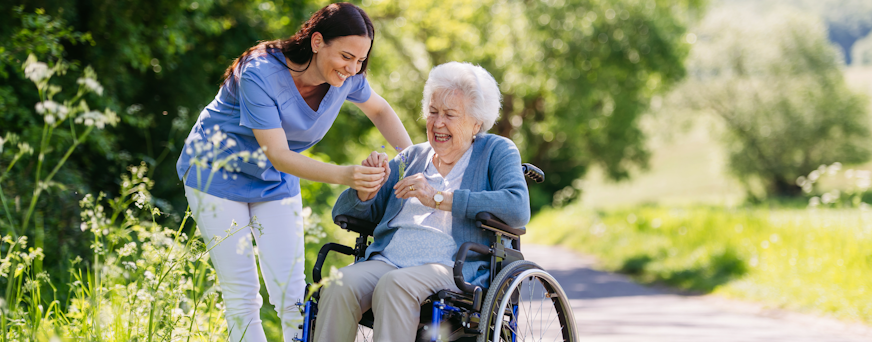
525 303
364 334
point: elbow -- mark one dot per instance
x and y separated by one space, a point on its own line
520 213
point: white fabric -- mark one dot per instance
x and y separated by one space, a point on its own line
278 231
424 234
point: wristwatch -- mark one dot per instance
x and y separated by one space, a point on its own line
438 198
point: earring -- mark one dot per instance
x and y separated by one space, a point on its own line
316 51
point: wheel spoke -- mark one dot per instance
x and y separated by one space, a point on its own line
521 287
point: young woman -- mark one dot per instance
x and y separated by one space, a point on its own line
282 96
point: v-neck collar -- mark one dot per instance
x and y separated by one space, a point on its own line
301 102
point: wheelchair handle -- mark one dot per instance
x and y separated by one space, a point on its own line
322 255
534 173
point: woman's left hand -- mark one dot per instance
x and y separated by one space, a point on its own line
416 186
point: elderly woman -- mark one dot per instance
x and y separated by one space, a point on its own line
422 218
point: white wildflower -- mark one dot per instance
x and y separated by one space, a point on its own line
36 71
98 119
814 202
833 169
91 84
127 249
814 175
47 107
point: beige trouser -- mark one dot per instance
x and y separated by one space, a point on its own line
395 296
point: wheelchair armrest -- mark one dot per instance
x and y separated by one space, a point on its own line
322 255
355 224
489 221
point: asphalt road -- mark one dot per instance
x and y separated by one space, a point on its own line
610 307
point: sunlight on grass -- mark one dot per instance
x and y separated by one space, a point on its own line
810 260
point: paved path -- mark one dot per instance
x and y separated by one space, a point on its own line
610 307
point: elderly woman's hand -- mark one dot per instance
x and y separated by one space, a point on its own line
416 186
375 160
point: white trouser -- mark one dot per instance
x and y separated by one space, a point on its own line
278 231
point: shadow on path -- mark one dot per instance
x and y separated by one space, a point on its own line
610 307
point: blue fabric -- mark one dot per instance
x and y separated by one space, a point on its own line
264 98
492 182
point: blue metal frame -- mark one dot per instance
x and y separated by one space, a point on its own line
513 325
307 322
440 310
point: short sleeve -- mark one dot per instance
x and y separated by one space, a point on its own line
361 91
257 108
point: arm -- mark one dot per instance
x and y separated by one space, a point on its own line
285 160
386 120
350 203
259 112
509 200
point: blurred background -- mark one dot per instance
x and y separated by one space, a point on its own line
714 146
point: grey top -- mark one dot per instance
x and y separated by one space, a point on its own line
492 182
423 233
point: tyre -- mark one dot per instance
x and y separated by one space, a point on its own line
525 303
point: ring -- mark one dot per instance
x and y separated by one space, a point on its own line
411 188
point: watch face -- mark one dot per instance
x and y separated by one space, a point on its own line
438 197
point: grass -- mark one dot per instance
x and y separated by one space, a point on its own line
801 259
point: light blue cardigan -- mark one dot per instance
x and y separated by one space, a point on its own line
493 182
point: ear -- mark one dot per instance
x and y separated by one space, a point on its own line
476 129
317 41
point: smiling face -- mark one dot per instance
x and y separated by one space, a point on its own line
449 128
340 59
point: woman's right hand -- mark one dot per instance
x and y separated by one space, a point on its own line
369 177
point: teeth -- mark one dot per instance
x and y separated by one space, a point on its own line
341 75
441 137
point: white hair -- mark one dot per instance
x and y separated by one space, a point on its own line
483 98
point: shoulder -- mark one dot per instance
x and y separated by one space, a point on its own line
354 83
497 145
418 149
263 63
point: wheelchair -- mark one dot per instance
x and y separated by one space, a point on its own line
523 302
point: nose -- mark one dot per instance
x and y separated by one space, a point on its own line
439 121
352 68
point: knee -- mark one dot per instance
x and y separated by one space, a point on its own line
392 286
243 307
343 293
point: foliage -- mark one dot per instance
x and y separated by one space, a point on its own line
780 95
575 75
863 51
806 259
847 21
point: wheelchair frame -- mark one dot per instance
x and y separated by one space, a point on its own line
462 311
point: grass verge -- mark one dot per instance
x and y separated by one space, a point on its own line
807 260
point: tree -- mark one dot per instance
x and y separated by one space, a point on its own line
775 83
575 74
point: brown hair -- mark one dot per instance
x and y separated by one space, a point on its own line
333 21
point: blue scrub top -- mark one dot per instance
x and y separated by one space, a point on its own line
264 98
